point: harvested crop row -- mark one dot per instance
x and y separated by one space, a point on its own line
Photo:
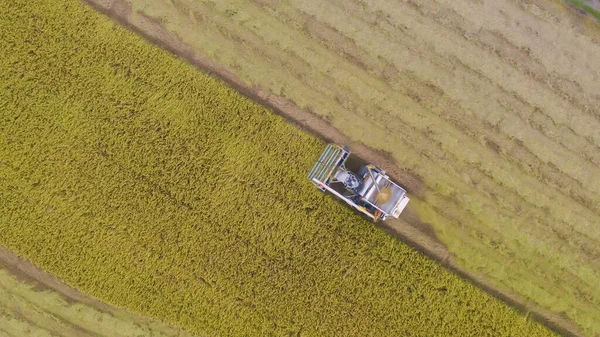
147 184
493 104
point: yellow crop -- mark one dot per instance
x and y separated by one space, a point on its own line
145 183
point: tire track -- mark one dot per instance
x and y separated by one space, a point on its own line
565 186
226 29
557 162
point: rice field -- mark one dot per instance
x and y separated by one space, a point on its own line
493 105
151 186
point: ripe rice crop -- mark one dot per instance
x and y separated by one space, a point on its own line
487 110
147 184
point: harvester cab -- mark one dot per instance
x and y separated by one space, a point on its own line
364 186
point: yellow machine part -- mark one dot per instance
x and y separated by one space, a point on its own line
383 196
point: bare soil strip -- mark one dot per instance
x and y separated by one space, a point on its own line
413 231
29 273
70 314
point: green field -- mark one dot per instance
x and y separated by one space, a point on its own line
587 6
147 184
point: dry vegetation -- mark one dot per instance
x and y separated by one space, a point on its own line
26 311
495 104
34 303
137 179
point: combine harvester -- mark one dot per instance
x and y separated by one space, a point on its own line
369 190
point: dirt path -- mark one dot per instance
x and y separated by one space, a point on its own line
28 273
34 303
412 230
